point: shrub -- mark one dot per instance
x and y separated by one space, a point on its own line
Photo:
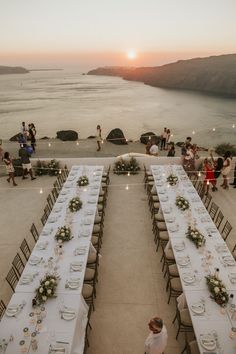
222 148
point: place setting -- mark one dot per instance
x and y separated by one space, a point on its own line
28 278
42 245
80 251
13 310
179 246
73 283
198 308
183 261
46 231
84 233
227 260
76 266
35 260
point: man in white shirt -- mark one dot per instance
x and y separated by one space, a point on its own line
154 150
157 338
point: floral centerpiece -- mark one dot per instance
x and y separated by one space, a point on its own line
182 203
124 167
217 290
53 168
63 234
46 289
83 181
172 179
75 204
195 236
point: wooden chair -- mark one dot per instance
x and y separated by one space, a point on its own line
50 201
44 219
34 232
213 210
12 278
219 219
47 210
88 294
55 194
18 264
2 309
226 230
66 170
60 180
207 201
25 249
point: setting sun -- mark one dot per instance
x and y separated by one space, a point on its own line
131 54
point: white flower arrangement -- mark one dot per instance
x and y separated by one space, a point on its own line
172 179
63 234
182 203
75 204
217 290
195 236
46 289
83 181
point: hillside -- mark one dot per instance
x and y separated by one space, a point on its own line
216 74
5 70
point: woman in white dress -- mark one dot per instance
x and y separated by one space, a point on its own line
227 164
99 137
9 168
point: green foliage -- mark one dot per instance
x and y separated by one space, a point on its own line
47 168
123 167
222 148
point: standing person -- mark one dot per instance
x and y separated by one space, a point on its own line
171 152
234 181
1 151
168 136
32 133
163 139
157 338
189 161
148 147
25 160
218 165
24 130
9 168
226 169
99 137
209 176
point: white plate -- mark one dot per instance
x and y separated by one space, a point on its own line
93 193
92 200
63 192
12 310
188 278
183 261
68 316
88 212
164 199
179 246
52 219
198 308
67 185
46 232
76 267
173 228
208 342
73 284
61 200
84 233
170 219
42 246
34 260
57 209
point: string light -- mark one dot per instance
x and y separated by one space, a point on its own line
49 144
193 132
41 191
213 129
59 172
149 137
208 182
199 174
77 143
127 187
128 174
126 140
85 189
171 135
102 141
233 126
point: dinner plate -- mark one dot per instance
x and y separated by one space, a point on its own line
179 246
61 200
46 232
170 219
76 266
87 221
167 210
162 191
88 212
63 192
68 316
12 310
84 233
228 261
92 200
68 185
183 261
57 209
73 283
52 219
198 308
174 228
188 278
41 246
80 251
208 342
34 260
164 198
93 193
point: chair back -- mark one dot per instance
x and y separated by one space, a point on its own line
2 309
213 210
219 219
50 201
25 249
12 278
226 230
207 201
18 264
34 232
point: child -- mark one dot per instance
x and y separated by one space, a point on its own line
9 167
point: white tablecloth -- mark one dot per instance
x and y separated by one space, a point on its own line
81 223
202 261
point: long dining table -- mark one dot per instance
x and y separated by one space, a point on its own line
214 325
59 324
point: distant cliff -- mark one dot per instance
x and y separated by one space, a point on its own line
12 70
216 74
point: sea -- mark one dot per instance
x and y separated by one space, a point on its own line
67 99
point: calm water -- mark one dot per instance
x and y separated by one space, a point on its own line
57 100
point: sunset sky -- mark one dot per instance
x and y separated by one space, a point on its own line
88 33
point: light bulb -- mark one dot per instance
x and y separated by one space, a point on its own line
49 144
41 191
126 140
172 135
77 143
193 132
199 174
233 126
213 129
102 141
128 174
127 187
208 182
59 172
